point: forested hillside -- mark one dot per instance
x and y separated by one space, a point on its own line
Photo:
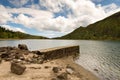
109 29
8 34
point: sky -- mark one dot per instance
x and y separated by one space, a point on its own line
53 18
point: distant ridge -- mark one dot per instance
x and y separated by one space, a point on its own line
9 34
106 29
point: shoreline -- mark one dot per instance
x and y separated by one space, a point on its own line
48 64
65 39
39 72
86 74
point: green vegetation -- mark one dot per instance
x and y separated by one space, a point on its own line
8 34
107 29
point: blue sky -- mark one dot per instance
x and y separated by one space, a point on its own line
53 18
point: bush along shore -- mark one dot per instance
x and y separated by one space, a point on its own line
19 63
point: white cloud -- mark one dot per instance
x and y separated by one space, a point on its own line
4 15
13 28
18 3
22 19
53 5
110 7
83 13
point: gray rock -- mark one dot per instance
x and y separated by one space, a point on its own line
69 71
22 47
17 68
63 76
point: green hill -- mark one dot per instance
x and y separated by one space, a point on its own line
108 28
8 34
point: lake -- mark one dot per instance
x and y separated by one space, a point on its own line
100 57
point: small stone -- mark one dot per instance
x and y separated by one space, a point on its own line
37 52
46 67
17 68
35 67
70 67
40 61
22 58
16 60
34 60
17 55
63 76
56 69
69 71
35 56
22 47
4 55
28 60
96 70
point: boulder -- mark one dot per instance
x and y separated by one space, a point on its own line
17 68
22 47
63 76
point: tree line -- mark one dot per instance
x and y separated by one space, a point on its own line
9 34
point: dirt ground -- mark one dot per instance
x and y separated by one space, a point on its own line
44 71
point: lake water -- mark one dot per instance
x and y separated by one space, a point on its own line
101 55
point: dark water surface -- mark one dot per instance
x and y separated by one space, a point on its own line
100 57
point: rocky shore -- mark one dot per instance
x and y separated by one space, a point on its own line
18 63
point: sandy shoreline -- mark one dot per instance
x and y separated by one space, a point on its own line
18 63
40 72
